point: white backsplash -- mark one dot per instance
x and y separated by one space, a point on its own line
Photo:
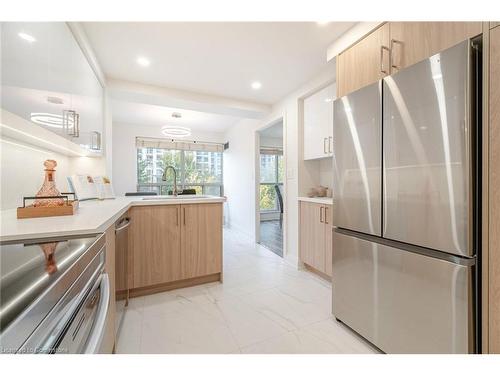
22 171
326 172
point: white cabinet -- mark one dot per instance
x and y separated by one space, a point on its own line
318 124
45 75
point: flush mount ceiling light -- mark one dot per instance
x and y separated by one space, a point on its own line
256 85
49 119
175 131
142 61
27 37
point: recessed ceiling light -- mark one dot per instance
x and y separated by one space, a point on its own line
328 100
256 85
176 115
27 37
175 131
142 61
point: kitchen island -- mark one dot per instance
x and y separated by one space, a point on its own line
170 242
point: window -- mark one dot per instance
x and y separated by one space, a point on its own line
271 174
199 170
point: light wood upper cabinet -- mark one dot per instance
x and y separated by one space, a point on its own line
318 124
396 45
316 236
365 62
412 42
155 244
201 240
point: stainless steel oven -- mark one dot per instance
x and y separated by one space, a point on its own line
55 295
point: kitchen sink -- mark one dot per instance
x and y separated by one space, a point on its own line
166 197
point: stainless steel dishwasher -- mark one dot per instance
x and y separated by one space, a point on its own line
122 269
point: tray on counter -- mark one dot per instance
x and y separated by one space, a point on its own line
68 208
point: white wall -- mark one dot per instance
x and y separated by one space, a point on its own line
239 176
124 154
240 161
108 135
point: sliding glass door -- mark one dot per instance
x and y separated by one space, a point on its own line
271 178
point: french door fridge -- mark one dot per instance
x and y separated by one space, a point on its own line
406 212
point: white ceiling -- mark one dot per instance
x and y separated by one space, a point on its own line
217 58
155 115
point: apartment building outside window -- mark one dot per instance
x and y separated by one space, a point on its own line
199 170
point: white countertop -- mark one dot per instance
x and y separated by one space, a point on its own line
92 217
320 200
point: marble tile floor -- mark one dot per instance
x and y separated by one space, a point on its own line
263 306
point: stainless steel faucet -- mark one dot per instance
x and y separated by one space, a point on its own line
164 178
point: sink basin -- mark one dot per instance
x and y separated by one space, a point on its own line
166 197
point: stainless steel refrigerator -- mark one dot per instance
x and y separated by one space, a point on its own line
407 206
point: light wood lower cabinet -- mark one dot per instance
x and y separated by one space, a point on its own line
494 194
328 240
155 244
122 262
171 243
201 240
316 236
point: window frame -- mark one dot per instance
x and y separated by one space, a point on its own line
181 174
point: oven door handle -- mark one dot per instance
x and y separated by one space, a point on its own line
95 338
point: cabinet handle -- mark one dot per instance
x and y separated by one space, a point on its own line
184 215
324 145
326 215
321 214
382 68
394 41
330 141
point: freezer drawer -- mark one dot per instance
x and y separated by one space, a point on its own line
357 137
401 301
428 134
